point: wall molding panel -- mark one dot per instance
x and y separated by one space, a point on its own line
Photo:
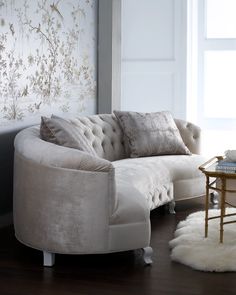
154 56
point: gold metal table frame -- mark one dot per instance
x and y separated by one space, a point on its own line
209 169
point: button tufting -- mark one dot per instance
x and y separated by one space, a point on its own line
95 132
188 125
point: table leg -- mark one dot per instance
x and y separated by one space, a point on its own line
207 206
222 208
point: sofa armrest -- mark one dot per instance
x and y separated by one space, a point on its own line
63 198
29 145
191 135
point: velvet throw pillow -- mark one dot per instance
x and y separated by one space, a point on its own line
149 134
60 131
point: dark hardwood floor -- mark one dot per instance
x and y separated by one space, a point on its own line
21 270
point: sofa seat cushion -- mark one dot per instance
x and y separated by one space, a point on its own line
155 177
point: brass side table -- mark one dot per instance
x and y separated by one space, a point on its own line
209 169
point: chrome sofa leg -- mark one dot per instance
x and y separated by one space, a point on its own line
172 207
147 255
48 258
214 198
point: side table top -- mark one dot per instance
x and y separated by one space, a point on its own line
209 168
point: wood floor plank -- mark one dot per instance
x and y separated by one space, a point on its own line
21 270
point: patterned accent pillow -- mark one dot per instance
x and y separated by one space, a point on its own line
60 131
149 134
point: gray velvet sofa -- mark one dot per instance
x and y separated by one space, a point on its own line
67 201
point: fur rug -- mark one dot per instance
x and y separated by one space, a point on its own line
191 248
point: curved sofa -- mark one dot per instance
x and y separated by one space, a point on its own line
67 201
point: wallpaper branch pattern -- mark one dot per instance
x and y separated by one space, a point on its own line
47 58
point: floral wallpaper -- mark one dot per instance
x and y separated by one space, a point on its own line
47 58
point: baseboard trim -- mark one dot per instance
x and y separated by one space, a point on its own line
6 219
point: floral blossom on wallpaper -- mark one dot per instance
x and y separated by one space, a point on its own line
47 58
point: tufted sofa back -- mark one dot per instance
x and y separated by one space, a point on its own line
191 135
106 137
104 134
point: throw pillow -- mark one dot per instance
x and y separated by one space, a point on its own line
60 131
149 134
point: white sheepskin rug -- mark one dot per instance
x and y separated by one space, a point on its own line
191 248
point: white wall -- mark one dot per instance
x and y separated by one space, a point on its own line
153 66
